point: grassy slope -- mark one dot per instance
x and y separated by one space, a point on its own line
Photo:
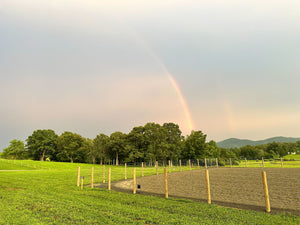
49 196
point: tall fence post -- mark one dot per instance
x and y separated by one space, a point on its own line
92 178
109 178
266 191
166 183
180 169
281 162
262 162
190 164
207 186
125 171
217 162
142 169
245 162
103 173
230 162
169 166
205 163
78 176
134 182
156 167
198 164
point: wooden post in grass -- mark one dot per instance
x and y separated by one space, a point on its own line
230 162
198 164
266 191
166 183
262 162
217 162
169 166
156 167
103 173
109 178
246 162
92 178
190 164
180 169
134 182
205 163
78 176
207 186
281 162
125 171
82 183
142 169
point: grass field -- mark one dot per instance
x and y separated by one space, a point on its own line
292 161
46 193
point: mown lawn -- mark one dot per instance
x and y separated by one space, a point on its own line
48 194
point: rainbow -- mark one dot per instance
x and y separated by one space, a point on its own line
157 59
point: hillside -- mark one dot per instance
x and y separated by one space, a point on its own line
237 143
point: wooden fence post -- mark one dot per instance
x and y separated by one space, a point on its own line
82 183
245 162
281 162
190 164
169 166
78 176
262 162
207 186
198 164
125 171
142 169
205 163
230 162
180 169
134 182
92 178
109 178
266 191
156 167
217 162
166 183
103 170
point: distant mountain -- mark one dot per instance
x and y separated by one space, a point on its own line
237 143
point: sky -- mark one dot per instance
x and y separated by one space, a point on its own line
229 68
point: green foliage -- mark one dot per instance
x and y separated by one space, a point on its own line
15 150
70 147
194 146
41 144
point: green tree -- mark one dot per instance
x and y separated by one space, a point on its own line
101 143
69 146
155 137
41 144
137 144
118 146
16 150
194 146
173 139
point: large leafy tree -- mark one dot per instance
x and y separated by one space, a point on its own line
194 146
41 144
15 150
101 144
118 146
70 147
173 143
137 144
156 138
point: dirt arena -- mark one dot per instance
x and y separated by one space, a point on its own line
232 187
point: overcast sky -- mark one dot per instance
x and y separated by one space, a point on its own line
95 66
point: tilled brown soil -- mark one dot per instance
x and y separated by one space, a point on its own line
232 187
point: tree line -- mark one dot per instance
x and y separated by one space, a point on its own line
151 142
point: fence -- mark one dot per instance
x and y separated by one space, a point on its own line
250 188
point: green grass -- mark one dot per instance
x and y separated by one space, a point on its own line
269 164
47 194
291 157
